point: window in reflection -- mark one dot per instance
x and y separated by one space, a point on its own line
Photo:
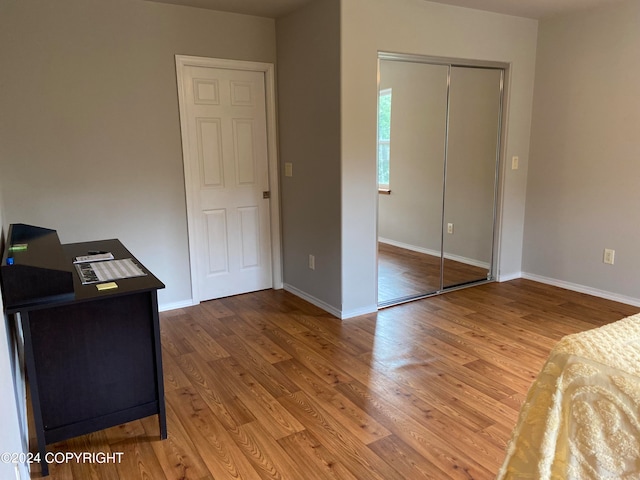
384 138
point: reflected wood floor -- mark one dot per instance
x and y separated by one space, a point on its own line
267 386
404 273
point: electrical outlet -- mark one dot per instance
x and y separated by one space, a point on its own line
449 227
312 262
609 256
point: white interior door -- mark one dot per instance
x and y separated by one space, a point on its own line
226 155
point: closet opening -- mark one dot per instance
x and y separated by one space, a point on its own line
439 154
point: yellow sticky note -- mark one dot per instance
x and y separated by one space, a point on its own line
106 286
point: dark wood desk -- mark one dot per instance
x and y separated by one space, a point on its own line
93 359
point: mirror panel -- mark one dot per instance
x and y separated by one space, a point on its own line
410 217
470 186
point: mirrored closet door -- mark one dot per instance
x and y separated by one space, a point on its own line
438 150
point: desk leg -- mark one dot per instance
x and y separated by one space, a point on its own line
162 416
35 393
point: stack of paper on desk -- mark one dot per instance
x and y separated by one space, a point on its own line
96 272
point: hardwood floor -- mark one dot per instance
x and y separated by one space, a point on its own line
405 273
267 386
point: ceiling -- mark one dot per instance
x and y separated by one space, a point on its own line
521 8
529 8
261 8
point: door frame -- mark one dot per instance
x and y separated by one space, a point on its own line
182 62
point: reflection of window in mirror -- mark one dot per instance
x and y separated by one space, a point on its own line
384 139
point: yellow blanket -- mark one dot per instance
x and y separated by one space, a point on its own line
581 417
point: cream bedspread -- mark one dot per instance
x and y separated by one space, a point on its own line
581 417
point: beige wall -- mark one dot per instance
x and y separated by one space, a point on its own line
89 131
420 27
90 141
309 129
582 193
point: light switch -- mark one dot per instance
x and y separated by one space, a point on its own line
288 169
515 163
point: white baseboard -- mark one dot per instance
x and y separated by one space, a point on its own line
359 311
313 300
341 314
435 253
165 307
508 276
583 289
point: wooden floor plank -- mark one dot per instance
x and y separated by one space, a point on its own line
416 424
320 462
209 436
264 371
407 461
221 400
270 460
266 385
138 459
177 455
267 410
338 439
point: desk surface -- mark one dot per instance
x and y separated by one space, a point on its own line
82 292
125 285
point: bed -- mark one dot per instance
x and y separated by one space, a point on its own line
581 417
